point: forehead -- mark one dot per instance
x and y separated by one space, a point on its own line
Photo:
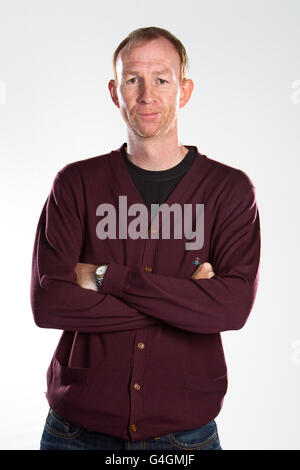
157 54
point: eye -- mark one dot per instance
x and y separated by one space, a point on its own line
162 80
131 80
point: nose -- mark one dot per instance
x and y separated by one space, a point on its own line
146 93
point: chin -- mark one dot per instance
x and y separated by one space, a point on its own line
148 134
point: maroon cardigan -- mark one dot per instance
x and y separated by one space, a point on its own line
144 358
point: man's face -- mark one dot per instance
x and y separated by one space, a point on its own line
148 88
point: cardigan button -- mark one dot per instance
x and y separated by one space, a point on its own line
148 269
137 386
133 428
141 345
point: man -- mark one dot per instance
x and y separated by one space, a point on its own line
140 363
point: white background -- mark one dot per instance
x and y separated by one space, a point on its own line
55 108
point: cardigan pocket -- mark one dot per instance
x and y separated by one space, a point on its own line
70 375
210 385
60 371
67 387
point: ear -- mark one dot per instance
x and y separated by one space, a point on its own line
113 92
186 91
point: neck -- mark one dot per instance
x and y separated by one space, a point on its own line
153 154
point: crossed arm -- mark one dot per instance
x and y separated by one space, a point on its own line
213 299
86 274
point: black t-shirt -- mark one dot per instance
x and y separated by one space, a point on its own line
156 186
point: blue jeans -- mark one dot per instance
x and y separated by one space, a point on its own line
60 434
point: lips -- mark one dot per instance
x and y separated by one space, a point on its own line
148 115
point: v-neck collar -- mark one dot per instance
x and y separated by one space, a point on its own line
176 171
124 184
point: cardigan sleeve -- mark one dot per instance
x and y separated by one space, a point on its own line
213 305
57 300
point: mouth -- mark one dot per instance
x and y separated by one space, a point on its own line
148 116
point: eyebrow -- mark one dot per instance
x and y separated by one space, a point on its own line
157 72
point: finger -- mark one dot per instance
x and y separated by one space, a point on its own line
203 275
203 268
206 267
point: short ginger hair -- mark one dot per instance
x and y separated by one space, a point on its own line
146 34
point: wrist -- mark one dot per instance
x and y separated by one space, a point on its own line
116 279
99 275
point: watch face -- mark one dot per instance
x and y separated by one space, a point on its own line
101 270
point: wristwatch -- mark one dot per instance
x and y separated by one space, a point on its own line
99 275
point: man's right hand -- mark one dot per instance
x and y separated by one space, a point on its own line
204 271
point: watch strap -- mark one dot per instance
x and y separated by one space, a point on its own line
99 282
